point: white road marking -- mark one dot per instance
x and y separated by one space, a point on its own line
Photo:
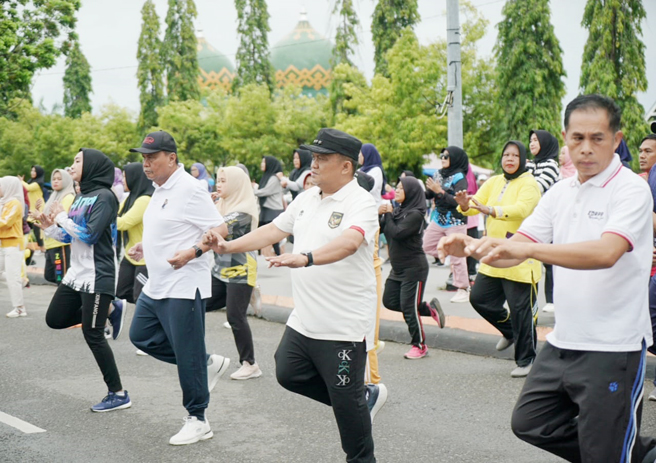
19 424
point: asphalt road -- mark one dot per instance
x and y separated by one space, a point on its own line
448 407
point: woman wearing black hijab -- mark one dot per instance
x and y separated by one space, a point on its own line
404 289
297 177
132 274
507 200
86 292
270 193
544 166
445 219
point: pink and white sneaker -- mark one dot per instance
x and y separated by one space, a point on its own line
416 353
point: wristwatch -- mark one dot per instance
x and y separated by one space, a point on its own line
199 251
309 258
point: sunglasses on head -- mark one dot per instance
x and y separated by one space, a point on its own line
444 156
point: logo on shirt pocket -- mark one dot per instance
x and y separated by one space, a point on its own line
335 219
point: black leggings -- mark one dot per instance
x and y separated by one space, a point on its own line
235 298
128 286
37 234
69 308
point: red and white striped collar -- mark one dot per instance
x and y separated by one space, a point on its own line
604 177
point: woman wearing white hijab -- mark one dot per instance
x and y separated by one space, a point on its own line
58 254
12 244
234 275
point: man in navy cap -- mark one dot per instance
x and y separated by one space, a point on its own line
169 320
323 353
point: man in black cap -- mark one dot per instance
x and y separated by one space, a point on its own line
169 320
323 353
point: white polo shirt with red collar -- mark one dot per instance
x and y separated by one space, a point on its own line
599 310
336 301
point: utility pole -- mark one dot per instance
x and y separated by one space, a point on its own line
454 78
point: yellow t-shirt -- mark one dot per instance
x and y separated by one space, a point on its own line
34 193
11 225
51 243
132 222
512 201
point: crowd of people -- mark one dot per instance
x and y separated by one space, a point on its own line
174 244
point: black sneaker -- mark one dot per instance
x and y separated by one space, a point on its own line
117 317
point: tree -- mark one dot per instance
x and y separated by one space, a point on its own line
77 83
248 126
30 40
149 73
346 37
179 51
390 18
253 63
529 71
614 59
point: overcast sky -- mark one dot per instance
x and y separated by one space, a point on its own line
109 31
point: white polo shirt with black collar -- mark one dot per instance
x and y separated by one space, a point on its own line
599 310
336 301
178 214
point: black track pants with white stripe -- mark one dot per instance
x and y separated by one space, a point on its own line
407 297
69 308
584 406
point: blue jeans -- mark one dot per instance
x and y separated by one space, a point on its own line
173 331
652 313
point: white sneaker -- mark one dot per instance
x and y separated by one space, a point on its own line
504 343
17 312
549 308
227 326
247 371
521 372
192 431
462 295
142 353
256 301
380 346
652 395
216 367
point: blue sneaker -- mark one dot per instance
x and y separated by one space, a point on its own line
117 317
112 402
376 396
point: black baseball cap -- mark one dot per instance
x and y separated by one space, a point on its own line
653 126
330 141
155 142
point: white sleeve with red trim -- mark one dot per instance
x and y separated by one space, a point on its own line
285 221
538 226
629 209
362 216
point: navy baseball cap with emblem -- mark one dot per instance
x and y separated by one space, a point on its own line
330 141
155 142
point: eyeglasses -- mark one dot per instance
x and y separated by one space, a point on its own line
444 156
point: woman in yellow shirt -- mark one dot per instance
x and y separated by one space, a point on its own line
35 187
12 205
507 200
132 274
58 255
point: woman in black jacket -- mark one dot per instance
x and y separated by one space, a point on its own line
404 289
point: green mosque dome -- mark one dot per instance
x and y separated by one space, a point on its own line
303 58
215 68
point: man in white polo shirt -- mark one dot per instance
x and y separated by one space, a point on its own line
582 400
169 320
323 352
